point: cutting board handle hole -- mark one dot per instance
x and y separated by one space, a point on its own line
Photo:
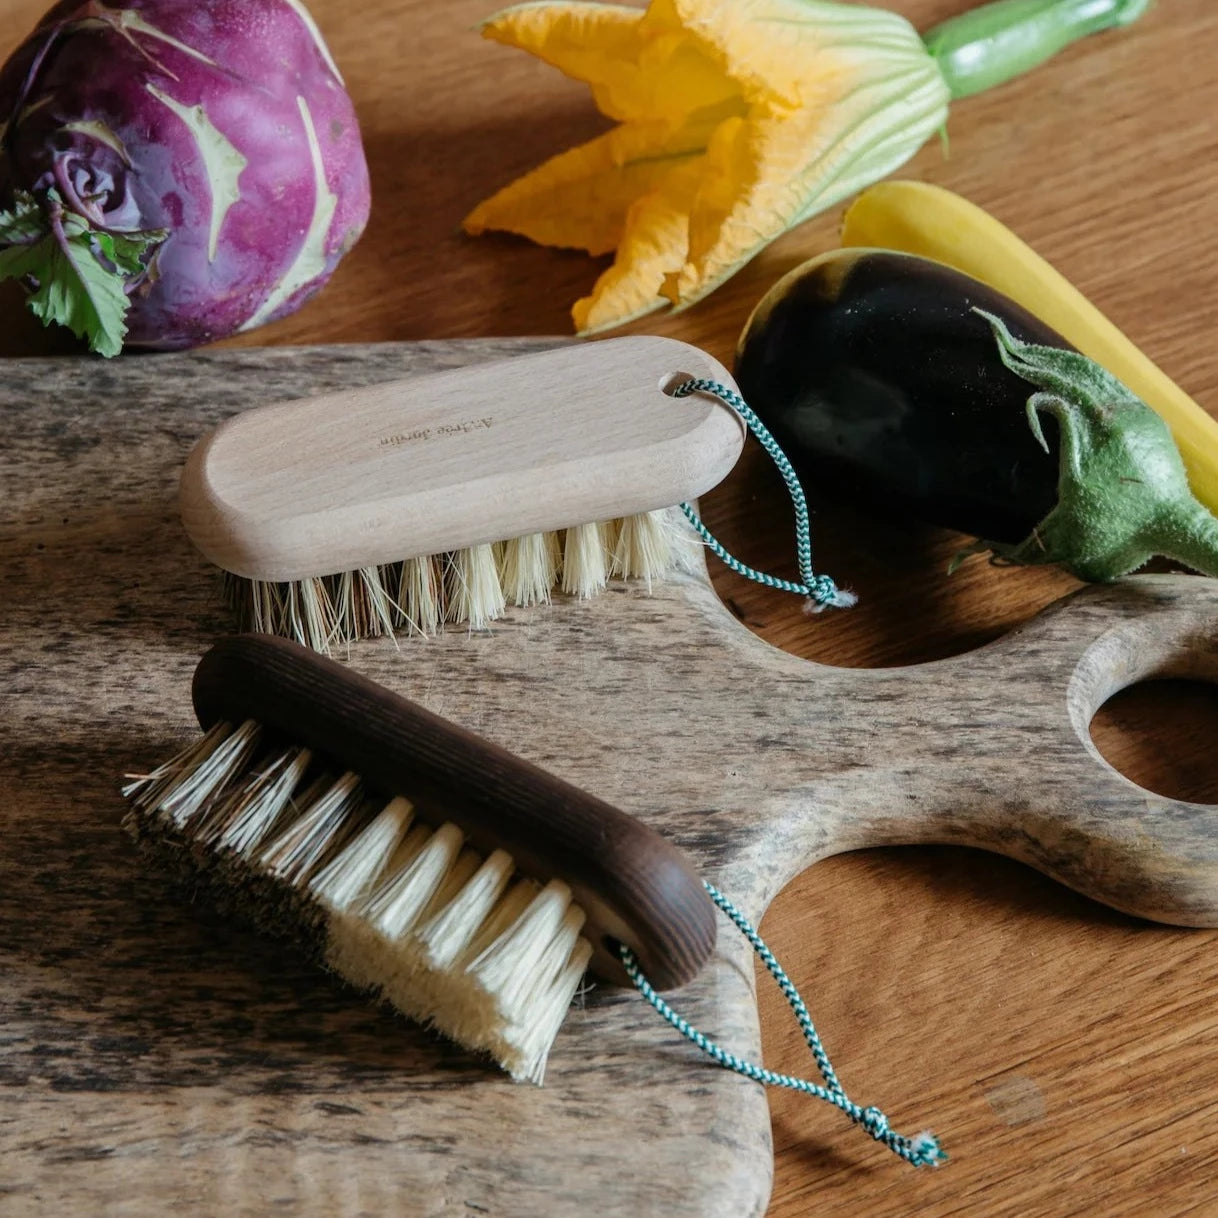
1160 734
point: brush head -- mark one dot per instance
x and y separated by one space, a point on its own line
472 586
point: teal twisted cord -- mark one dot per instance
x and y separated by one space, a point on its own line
819 589
923 1150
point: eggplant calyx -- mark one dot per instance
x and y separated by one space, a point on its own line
1122 493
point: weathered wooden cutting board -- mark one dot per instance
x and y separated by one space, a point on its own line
152 1057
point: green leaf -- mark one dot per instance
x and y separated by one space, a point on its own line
127 251
78 292
18 261
25 223
76 276
71 288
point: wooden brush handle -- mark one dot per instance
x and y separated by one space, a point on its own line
636 887
368 476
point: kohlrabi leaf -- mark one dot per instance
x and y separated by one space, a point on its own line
128 251
75 290
76 276
24 223
69 285
20 261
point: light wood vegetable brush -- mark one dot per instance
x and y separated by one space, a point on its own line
463 886
444 498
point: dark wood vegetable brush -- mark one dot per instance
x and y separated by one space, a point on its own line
464 886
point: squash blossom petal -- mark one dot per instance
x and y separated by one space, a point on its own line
738 119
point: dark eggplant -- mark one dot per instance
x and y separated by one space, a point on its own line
899 380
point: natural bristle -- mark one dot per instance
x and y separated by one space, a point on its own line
475 594
530 566
471 587
420 596
648 546
392 905
585 560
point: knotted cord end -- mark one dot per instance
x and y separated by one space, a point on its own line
922 1150
825 594
925 1151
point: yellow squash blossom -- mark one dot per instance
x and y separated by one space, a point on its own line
740 118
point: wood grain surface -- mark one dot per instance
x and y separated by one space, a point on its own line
785 762
1065 1053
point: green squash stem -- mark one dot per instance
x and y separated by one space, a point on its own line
1123 494
991 44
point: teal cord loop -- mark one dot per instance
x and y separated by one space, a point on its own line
820 590
922 1150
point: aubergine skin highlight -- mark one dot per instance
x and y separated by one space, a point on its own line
216 134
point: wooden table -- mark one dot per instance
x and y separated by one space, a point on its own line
1066 1054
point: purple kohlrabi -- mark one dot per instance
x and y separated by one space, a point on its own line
173 171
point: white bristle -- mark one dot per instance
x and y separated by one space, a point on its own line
464 868
254 617
529 1038
404 853
447 937
510 909
504 999
272 603
509 967
471 586
146 789
189 796
322 611
447 934
380 605
474 592
443 993
346 611
351 875
253 810
374 945
304 843
296 621
274 600
686 550
420 597
319 620
553 960
644 547
529 567
610 529
396 905
585 560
